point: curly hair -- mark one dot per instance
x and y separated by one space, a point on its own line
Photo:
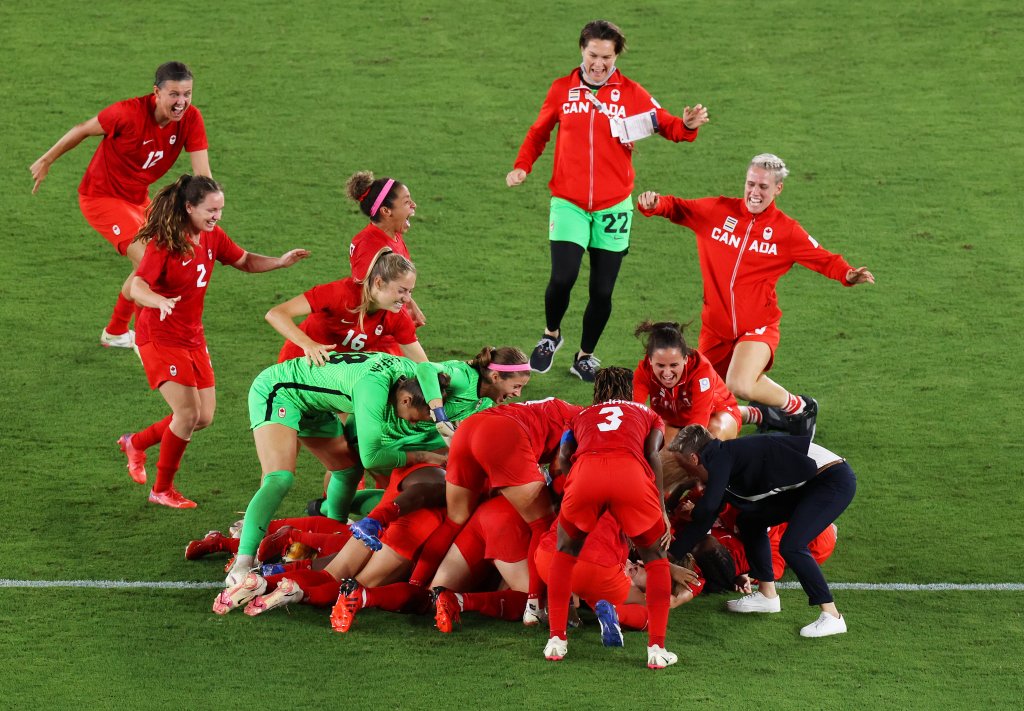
613 384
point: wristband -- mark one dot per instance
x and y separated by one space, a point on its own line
439 414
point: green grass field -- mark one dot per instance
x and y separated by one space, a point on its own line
900 123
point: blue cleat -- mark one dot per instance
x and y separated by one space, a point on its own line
367 531
611 633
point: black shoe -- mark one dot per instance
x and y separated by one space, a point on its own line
315 507
585 368
544 353
773 419
805 423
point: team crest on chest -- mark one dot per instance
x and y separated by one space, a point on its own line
767 234
379 330
174 138
209 253
615 94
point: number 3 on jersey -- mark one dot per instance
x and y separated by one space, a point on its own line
613 421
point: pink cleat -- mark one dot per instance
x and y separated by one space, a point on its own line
136 458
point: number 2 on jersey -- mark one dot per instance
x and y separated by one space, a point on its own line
613 421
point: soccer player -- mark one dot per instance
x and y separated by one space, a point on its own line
390 207
142 138
745 245
348 316
771 480
182 242
613 446
592 179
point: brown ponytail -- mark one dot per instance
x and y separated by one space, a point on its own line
167 219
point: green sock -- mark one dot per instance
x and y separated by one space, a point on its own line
365 501
261 510
340 492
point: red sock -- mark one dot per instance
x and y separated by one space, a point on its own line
659 592
319 588
537 529
172 447
385 513
632 616
151 435
433 552
397 597
559 591
503 604
325 543
122 316
794 404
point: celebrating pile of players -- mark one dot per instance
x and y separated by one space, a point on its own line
442 493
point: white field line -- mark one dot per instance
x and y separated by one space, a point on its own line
186 585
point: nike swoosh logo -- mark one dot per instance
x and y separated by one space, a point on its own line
185 264
149 141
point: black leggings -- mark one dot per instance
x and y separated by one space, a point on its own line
566 258
808 510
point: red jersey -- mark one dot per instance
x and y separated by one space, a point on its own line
606 545
367 243
135 151
334 320
614 427
544 421
186 276
701 392
592 169
742 256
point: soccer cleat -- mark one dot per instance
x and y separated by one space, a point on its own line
286 592
350 601
532 615
804 424
773 419
212 542
136 458
611 633
658 657
824 626
755 602
172 498
121 340
274 544
235 529
448 611
239 594
367 531
544 353
556 649
585 368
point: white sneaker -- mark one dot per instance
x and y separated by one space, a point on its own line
239 594
286 592
824 626
556 649
532 615
659 657
755 602
122 340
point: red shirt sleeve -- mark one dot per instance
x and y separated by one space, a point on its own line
195 138
806 251
225 249
152 264
641 378
111 118
669 125
401 327
540 132
322 296
701 385
677 210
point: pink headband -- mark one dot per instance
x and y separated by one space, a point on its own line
381 195
517 368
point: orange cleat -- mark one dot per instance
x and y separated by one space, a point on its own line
448 613
136 458
350 601
171 498
274 544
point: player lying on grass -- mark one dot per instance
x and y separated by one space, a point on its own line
494 540
416 486
770 480
745 245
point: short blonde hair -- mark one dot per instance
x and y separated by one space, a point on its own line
772 163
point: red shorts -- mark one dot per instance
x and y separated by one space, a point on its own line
719 349
590 581
615 483
492 451
407 534
118 221
192 368
495 531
